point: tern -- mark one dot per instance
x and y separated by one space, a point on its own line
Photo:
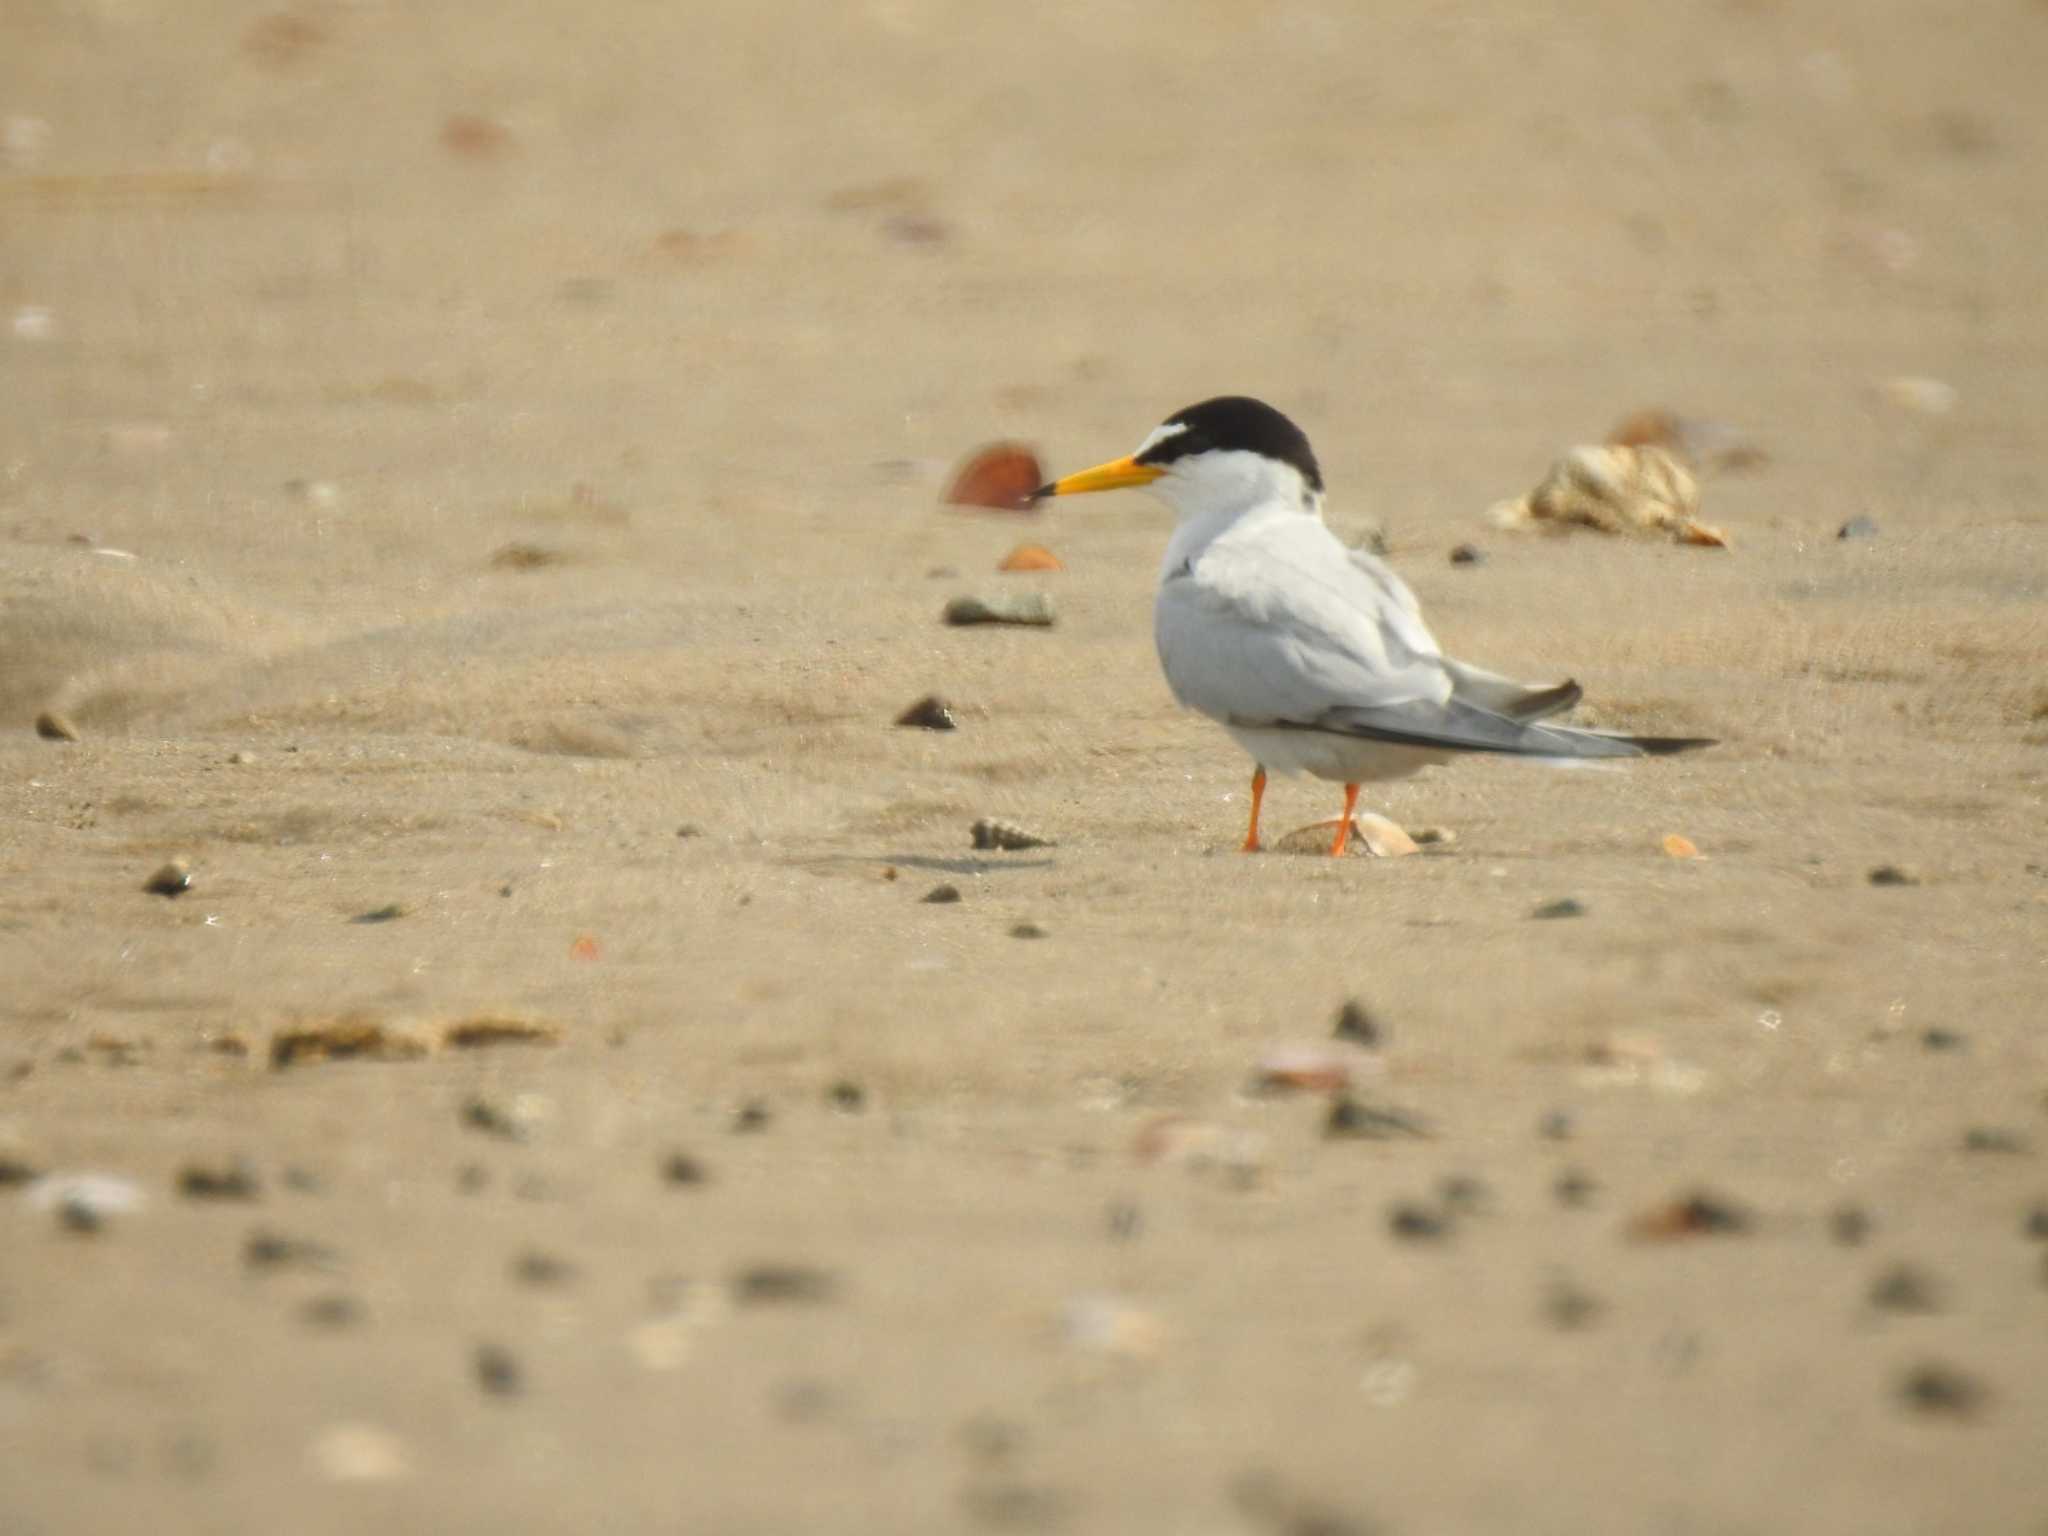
1313 656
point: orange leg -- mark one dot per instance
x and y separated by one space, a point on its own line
1251 838
1344 824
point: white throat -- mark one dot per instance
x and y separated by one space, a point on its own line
1212 492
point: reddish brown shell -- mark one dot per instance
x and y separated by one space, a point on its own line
1031 557
1001 476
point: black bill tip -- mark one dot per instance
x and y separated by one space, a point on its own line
1042 493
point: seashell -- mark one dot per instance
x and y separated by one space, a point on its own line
1614 489
1001 476
1030 557
990 833
1679 846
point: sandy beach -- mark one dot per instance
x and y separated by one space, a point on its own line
471 496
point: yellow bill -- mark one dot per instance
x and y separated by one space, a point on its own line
1113 476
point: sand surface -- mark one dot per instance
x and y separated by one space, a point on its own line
484 460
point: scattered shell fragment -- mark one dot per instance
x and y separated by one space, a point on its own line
172 880
1566 906
475 137
1919 394
521 556
1711 447
339 1039
1858 527
358 1453
1027 931
1678 846
1893 874
264 1249
1934 1388
513 1119
1372 836
663 1343
52 726
784 1285
942 895
83 1201
1356 1023
1110 1325
1001 476
390 912
1700 1214
1353 1120
475 1033
990 833
930 713
1031 557
1437 837
1031 609
1467 554
1613 489
1201 1146
1322 1067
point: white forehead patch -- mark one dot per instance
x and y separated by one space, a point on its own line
1158 435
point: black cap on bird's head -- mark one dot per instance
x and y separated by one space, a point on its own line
1226 424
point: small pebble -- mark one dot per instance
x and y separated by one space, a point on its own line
2036 1225
689 829
332 1312
780 1284
1849 1225
1857 528
1349 1119
929 713
174 879
1468 554
1356 1024
1893 874
1939 1039
942 895
542 1270
1904 1289
55 727
264 1249
1556 1125
77 1214
1125 1221
497 1371
1032 609
752 1116
390 912
1417 1223
1575 1188
1027 931
229 1181
1569 1308
1569 906
1463 1195
1994 1138
1942 1389
990 833
848 1097
681 1168
1427 837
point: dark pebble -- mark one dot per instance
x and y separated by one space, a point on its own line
1575 1188
1849 1225
1027 931
929 713
17 1169
848 1097
1857 528
942 895
480 1114
231 1181
334 1312
689 829
1939 1039
1893 874
498 1371
80 1216
389 912
1904 1289
1349 1119
1125 1221
1994 1138
1697 1215
681 1168
1556 1125
173 880
1942 1389
2036 1227
270 1250
784 1284
752 1116
542 1270
1468 554
1356 1024
1417 1223
1463 1195
1570 1308
1569 906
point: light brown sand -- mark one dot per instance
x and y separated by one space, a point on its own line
752 281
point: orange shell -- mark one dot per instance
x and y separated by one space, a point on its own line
1001 475
1031 557
1679 846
